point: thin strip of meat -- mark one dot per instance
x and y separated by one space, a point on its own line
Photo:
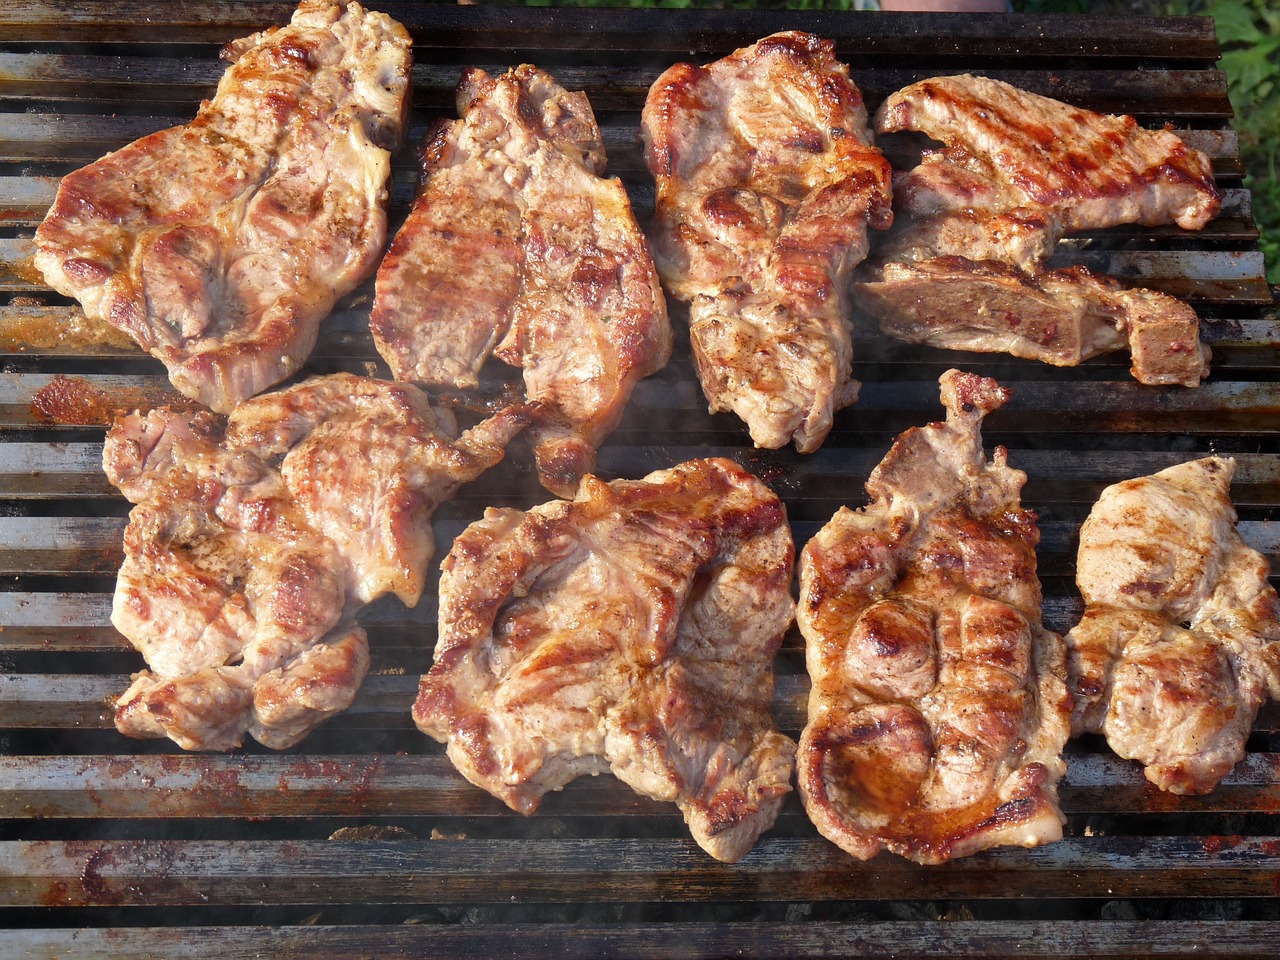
518 246
632 629
939 708
978 220
251 547
220 245
1061 317
767 179
1179 644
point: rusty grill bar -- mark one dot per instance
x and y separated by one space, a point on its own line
363 841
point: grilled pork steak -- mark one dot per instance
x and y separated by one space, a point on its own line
1180 640
250 549
979 219
518 246
767 179
939 709
632 629
219 246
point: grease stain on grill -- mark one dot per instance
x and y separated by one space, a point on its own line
1216 845
29 325
351 778
74 401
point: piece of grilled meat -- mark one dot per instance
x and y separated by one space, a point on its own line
939 708
1008 149
979 219
1057 316
632 629
1180 640
767 179
518 246
251 547
219 246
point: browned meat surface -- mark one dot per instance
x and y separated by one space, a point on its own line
767 179
939 708
219 246
518 246
250 548
632 629
978 221
1180 640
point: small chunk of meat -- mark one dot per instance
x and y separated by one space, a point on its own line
1061 317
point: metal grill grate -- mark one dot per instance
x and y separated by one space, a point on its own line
363 841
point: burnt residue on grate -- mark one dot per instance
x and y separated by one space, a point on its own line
363 841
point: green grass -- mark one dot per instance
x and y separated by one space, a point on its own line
1249 32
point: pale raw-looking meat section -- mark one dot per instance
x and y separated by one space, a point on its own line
632 629
1179 644
519 247
220 245
939 708
978 219
252 545
767 181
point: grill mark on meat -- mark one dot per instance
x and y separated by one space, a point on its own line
767 179
983 215
253 543
517 247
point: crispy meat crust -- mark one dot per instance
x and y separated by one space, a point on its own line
518 247
966 267
251 547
